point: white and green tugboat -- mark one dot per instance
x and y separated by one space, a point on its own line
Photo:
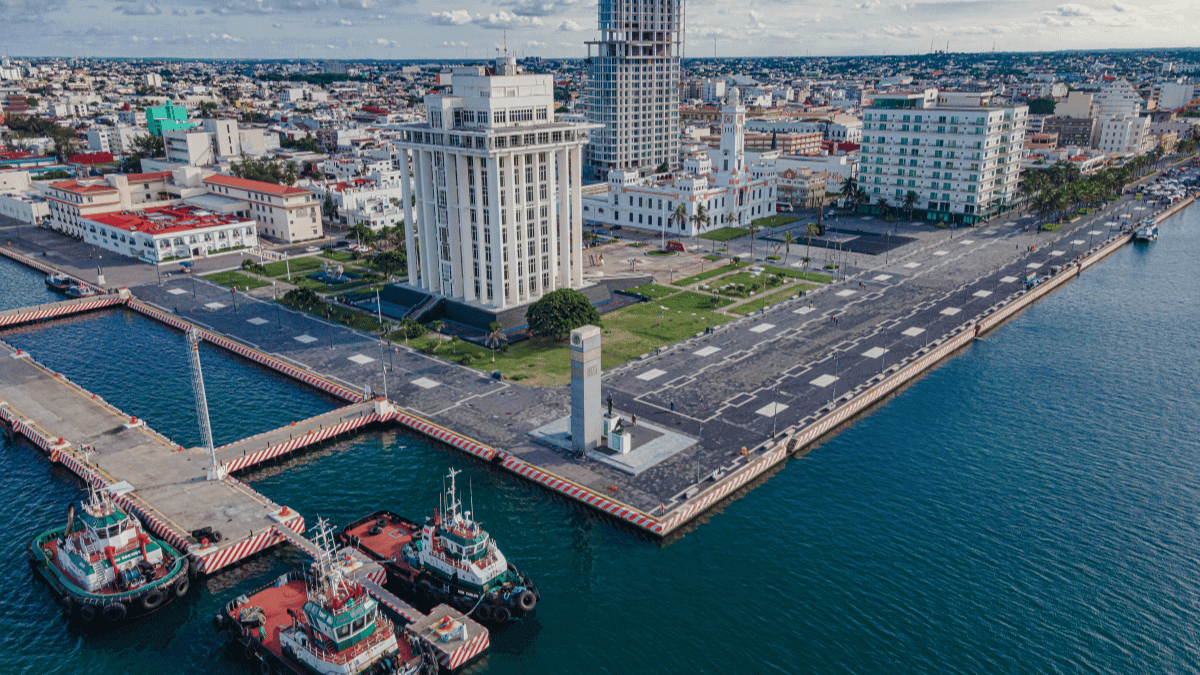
105 568
449 559
320 623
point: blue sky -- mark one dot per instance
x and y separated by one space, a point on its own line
401 29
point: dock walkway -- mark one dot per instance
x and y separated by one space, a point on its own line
165 485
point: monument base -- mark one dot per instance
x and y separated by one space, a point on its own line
650 443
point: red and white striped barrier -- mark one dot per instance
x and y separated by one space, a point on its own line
252 354
581 494
463 655
312 436
445 435
375 588
236 551
48 312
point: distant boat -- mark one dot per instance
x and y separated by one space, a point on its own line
77 291
1147 232
59 282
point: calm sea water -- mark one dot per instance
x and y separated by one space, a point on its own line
1030 506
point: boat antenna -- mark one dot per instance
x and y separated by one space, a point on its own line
471 485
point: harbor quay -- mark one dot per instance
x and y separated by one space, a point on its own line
739 399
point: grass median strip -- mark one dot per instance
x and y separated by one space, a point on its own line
280 268
715 272
236 280
652 291
724 233
767 300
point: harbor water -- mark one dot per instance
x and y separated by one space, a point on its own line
1029 506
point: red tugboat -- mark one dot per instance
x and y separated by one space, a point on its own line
450 559
105 568
321 622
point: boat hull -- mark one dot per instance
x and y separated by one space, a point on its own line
425 591
100 610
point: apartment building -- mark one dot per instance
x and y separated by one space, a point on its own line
286 213
1123 135
1083 132
633 86
497 190
74 201
956 152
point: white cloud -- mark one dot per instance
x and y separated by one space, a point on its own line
138 10
457 17
570 26
507 20
343 22
276 25
225 38
757 16
539 7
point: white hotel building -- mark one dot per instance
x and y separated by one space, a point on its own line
497 185
960 156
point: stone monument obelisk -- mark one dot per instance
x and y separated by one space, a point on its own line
586 407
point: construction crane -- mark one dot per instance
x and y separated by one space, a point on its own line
216 471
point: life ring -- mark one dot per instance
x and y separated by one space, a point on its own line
483 613
87 612
113 612
181 586
381 522
527 601
375 529
152 599
501 614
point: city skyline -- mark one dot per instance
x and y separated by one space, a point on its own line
386 29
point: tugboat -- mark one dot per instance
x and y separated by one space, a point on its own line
450 559
1147 232
105 568
320 622
77 291
59 282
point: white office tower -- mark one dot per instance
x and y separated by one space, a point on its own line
633 86
497 216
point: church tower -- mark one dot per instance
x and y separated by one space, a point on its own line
732 160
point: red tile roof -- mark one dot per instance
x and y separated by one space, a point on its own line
254 185
91 158
146 177
74 186
165 219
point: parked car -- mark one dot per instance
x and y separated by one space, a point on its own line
312 249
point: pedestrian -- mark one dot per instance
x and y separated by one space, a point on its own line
633 420
672 406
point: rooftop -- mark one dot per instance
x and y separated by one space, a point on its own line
254 185
83 188
165 219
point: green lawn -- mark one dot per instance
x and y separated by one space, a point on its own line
661 253
280 268
725 233
778 296
708 274
629 332
798 274
746 279
712 257
652 291
775 221
236 279
339 256
339 314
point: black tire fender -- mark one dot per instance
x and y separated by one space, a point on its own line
114 612
526 601
152 599
181 586
88 612
483 613
501 614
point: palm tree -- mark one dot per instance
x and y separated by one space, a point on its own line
788 240
679 216
730 219
754 228
494 338
910 201
813 231
850 188
701 217
883 207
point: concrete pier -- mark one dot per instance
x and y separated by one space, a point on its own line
149 475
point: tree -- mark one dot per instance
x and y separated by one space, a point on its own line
494 338
910 201
329 208
679 216
754 228
701 217
813 231
663 168
264 170
1042 106
390 262
560 312
301 297
788 240
363 232
850 189
883 206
